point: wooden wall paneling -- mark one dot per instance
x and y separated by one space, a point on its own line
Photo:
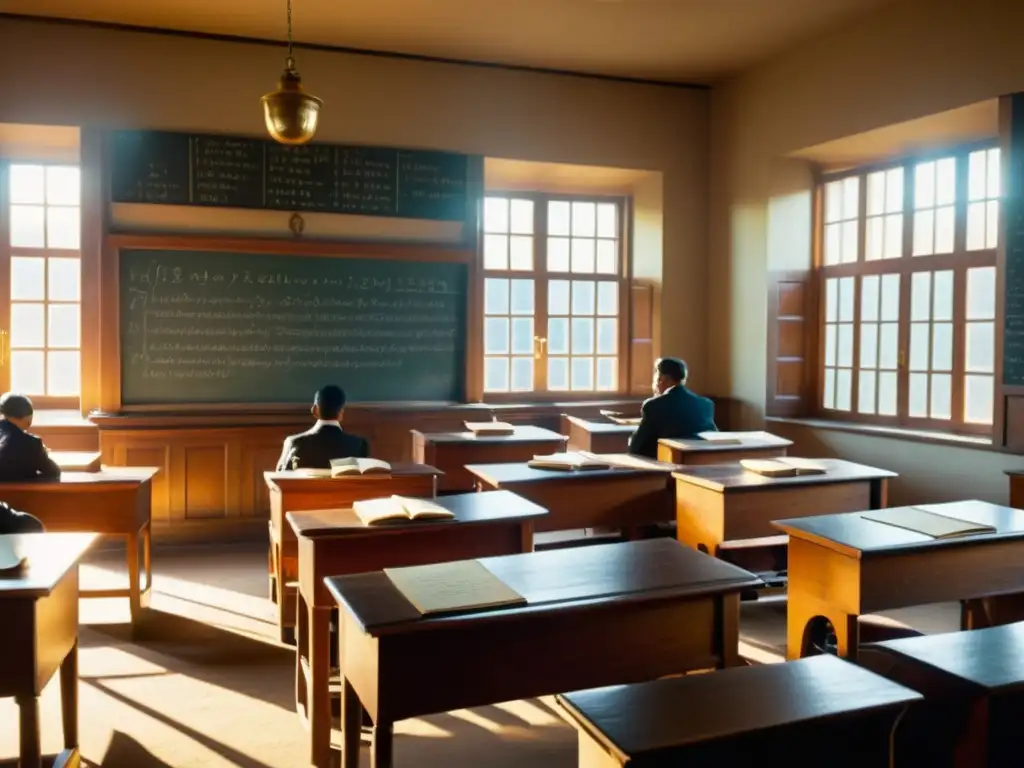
130 451
792 330
641 342
207 480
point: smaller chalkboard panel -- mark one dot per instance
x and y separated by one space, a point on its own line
368 177
431 185
227 172
151 167
1013 308
303 178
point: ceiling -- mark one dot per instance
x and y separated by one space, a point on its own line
695 41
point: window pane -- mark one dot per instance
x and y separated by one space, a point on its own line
27 184
876 193
995 173
582 337
496 336
558 297
874 242
495 214
63 373
894 190
942 295
944 230
496 374
558 254
945 181
843 380
886 394
558 373
606 220
584 221
942 396
522 374
888 341
869 298
866 392
63 329
606 253
890 297
831 299
63 185
558 336
607 298
975 226
28 278
977 164
28 325
924 185
495 296
919 335
522 297
978 401
583 297
893 247
607 374
830 344
924 233
980 343
521 219
846 299
849 242
942 346
917 405
522 337
833 201
868 345
851 197
828 394
27 373
28 226
607 336
920 296
582 256
833 243
992 224
65 279
981 293
521 253
558 217
495 252
583 373
845 346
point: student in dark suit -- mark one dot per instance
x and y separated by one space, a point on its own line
674 411
22 455
315 448
12 521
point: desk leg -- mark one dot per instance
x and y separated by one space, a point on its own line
134 594
729 632
147 563
803 610
351 724
380 753
879 493
271 564
69 697
318 693
30 750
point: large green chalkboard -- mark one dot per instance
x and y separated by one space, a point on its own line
165 168
215 327
1013 213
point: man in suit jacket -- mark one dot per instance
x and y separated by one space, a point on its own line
22 455
315 448
674 411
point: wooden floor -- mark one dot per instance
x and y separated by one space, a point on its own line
207 686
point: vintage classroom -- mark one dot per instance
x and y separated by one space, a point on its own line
816 205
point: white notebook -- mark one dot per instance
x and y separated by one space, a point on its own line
462 586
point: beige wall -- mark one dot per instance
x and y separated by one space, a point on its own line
906 60
95 77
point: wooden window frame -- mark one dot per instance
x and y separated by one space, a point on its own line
959 261
543 277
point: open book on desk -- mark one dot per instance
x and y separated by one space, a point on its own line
10 561
346 467
784 466
629 461
399 508
571 460
620 418
458 587
490 428
923 520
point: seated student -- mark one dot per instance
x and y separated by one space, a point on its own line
22 455
674 411
315 448
12 521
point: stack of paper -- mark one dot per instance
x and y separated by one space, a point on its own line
490 428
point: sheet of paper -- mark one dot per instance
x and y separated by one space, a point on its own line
925 522
456 587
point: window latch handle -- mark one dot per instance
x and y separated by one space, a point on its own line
538 347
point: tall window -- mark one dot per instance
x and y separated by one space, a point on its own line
553 277
41 308
908 267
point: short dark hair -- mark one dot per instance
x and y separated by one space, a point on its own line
15 406
330 400
672 367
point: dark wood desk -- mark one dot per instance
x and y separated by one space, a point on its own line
709 452
115 502
973 686
295 492
335 542
602 615
843 566
1016 477
789 715
39 616
595 435
450 452
594 498
77 461
720 503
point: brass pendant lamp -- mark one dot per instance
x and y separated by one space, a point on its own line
291 113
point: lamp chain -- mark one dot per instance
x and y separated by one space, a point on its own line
291 60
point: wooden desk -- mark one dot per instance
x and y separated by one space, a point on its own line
450 452
597 436
115 502
1016 477
295 492
603 615
720 503
77 461
843 566
39 610
709 452
594 498
973 686
816 711
335 542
